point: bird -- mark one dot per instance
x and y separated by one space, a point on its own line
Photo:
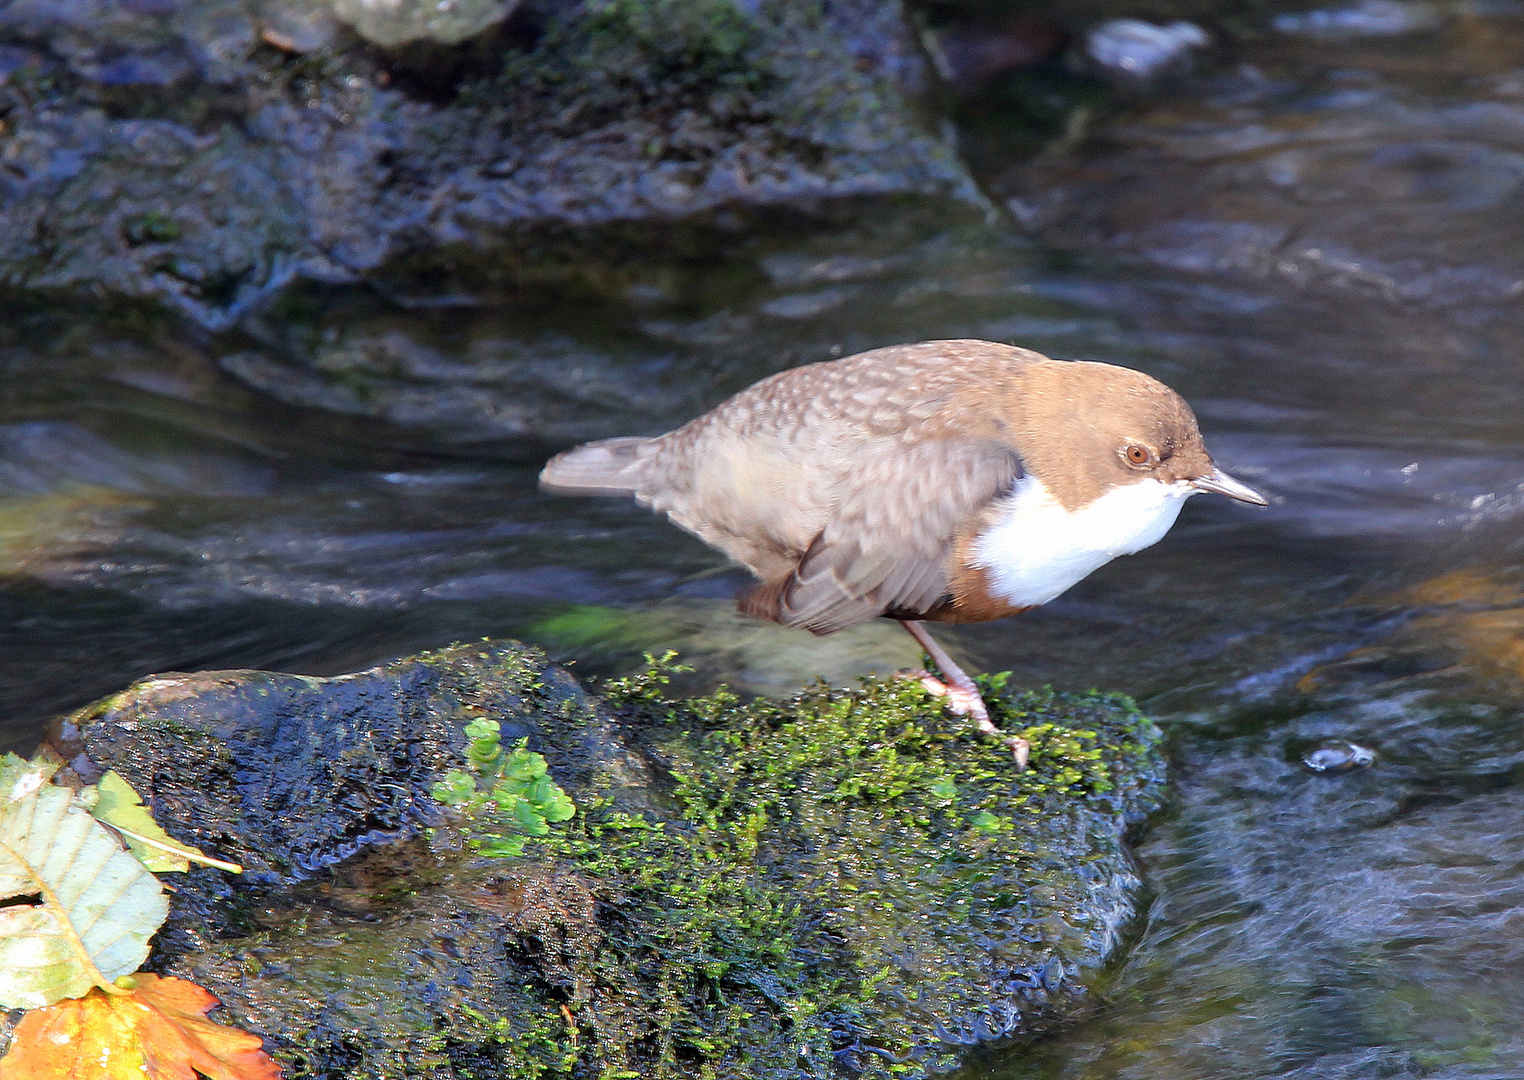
942 481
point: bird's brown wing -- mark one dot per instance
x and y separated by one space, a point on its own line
885 547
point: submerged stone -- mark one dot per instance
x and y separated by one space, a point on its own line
756 657
1138 51
394 22
1337 757
847 880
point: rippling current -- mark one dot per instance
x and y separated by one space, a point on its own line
1318 240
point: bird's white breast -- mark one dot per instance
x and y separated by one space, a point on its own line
1038 549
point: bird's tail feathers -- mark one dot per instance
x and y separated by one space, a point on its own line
606 467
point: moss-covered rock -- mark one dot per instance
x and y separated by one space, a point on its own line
845 881
206 156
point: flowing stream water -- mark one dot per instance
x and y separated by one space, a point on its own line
1318 240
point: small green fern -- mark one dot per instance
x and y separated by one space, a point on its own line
508 796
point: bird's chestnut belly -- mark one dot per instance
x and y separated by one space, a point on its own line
972 599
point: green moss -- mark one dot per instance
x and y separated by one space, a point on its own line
849 880
151 227
586 624
844 877
618 54
704 37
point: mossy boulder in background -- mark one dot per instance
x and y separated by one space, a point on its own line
206 156
845 880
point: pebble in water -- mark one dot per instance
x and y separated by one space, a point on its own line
1337 757
1137 50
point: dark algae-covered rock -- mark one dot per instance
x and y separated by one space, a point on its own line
204 156
844 882
884 880
351 208
301 773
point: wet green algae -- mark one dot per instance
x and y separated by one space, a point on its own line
849 880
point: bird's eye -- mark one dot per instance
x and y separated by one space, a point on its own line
1137 455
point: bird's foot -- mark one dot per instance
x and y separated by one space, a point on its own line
960 701
966 701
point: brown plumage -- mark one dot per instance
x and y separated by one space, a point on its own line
865 486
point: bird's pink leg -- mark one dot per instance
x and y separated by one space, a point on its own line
961 693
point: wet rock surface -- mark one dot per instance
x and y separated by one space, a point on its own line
205 156
156 514
846 880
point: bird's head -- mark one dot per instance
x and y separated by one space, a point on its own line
1086 429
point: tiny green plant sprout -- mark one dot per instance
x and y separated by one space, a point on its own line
508 795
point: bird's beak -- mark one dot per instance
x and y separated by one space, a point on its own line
1223 484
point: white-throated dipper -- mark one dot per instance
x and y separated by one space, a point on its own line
946 481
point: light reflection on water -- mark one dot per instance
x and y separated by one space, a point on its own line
1318 245
1362 247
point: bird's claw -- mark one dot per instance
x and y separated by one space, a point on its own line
960 702
965 701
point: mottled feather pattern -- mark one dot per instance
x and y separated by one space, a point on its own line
818 474
764 473
887 544
855 488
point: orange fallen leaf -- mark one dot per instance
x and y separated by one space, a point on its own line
157 1032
